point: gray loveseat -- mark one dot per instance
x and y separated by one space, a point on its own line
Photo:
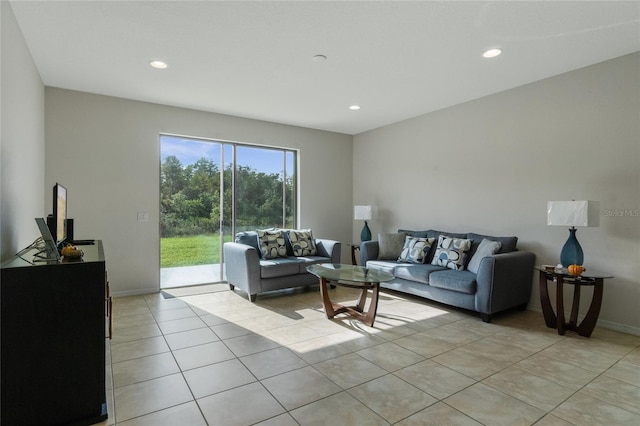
248 268
497 282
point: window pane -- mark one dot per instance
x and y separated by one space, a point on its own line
189 201
259 192
290 194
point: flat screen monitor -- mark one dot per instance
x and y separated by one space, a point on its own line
59 213
50 250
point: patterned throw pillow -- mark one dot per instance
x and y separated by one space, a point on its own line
272 244
451 252
415 249
302 242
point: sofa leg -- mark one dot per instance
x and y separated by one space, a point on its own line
231 286
485 317
252 297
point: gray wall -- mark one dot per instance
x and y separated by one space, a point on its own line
106 151
487 166
21 140
491 165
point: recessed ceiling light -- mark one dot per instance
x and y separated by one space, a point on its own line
492 53
354 107
319 58
158 64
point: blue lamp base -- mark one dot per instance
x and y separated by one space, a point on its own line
571 253
365 235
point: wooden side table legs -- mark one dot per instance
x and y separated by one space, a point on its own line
589 322
557 319
354 248
560 323
547 310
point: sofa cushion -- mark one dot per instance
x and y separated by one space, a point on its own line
302 242
382 265
415 249
459 281
418 273
419 234
305 261
508 243
451 252
485 248
279 267
272 243
437 234
390 245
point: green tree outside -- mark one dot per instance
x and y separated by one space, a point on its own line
190 207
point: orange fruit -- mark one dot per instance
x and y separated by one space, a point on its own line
575 269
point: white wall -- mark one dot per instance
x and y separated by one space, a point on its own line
106 151
490 166
21 139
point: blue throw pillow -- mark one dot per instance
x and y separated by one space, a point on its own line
249 238
486 248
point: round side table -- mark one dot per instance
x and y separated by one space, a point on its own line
562 277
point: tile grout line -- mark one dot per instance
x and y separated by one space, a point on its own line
388 338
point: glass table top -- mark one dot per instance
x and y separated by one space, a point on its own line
357 274
587 273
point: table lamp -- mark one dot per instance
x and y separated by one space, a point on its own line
572 213
363 213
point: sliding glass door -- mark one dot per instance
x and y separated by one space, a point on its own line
209 190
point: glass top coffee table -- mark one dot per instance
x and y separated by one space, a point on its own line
353 277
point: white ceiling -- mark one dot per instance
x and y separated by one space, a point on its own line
254 59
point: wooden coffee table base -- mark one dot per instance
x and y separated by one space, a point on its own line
332 309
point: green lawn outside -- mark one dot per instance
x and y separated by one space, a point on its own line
190 251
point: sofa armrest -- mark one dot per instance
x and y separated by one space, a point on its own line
504 281
329 248
368 251
242 266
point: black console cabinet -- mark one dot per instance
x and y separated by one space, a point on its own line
53 340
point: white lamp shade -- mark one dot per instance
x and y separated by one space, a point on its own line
362 212
573 213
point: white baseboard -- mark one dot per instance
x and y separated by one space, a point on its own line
615 326
136 292
623 328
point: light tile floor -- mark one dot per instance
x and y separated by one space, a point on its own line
213 358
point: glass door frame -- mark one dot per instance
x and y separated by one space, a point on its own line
233 146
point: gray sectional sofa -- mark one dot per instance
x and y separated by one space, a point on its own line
250 270
496 282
